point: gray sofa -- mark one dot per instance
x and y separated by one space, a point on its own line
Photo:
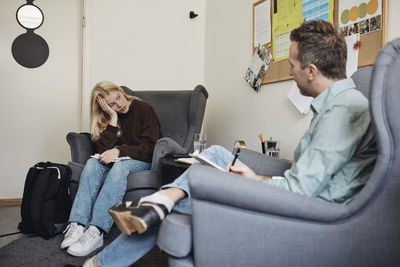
240 222
181 114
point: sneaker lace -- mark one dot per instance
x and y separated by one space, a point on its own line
70 230
90 234
66 229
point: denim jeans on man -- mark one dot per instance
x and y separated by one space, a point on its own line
92 200
126 249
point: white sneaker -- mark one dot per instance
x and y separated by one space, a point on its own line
89 262
73 232
89 242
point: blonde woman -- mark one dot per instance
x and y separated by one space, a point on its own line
121 125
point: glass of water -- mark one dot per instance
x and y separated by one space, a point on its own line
199 142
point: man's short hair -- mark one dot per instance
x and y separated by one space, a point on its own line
320 44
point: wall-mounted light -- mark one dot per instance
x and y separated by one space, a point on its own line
29 49
192 15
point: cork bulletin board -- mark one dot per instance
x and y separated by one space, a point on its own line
370 43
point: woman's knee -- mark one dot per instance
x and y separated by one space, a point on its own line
118 172
93 169
119 168
92 164
127 166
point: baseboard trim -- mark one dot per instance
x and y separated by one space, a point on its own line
10 202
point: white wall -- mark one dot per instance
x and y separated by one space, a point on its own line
234 110
145 45
393 31
38 106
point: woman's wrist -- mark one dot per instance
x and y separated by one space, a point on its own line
263 177
113 121
117 151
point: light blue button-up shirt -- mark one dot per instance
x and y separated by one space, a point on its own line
335 157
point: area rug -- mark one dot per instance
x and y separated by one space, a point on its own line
35 252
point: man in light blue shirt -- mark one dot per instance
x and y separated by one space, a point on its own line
335 157
333 160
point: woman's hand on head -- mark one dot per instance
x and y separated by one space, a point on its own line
106 108
109 155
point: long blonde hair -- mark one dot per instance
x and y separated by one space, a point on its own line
98 118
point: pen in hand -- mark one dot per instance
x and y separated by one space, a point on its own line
235 157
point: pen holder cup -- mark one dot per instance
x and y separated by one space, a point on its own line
271 145
263 147
273 148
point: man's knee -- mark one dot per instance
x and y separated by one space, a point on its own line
216 149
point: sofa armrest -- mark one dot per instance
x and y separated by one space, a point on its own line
76 170
175 235
213 186
81 147
263 164
165 146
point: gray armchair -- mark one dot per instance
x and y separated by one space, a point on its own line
181 115
240 222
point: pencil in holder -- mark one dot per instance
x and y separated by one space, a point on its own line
263 147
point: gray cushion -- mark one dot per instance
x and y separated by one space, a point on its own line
181 262
177 110
175 235
174 123
262 164
362 79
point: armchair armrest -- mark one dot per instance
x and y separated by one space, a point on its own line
263 164
165 146
81 146
231 190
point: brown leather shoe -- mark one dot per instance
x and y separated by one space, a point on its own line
124 205
133 219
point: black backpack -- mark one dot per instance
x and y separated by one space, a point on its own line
46 202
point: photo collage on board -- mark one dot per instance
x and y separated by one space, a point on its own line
363 27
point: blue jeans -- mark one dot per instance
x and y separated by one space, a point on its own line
92 200
217 154
125 250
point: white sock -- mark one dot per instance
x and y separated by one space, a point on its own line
158 198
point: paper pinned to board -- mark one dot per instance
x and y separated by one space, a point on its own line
262 23
258 67
302 103
352 54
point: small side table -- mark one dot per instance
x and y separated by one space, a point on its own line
170 169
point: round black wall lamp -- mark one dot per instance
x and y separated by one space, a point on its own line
29 49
